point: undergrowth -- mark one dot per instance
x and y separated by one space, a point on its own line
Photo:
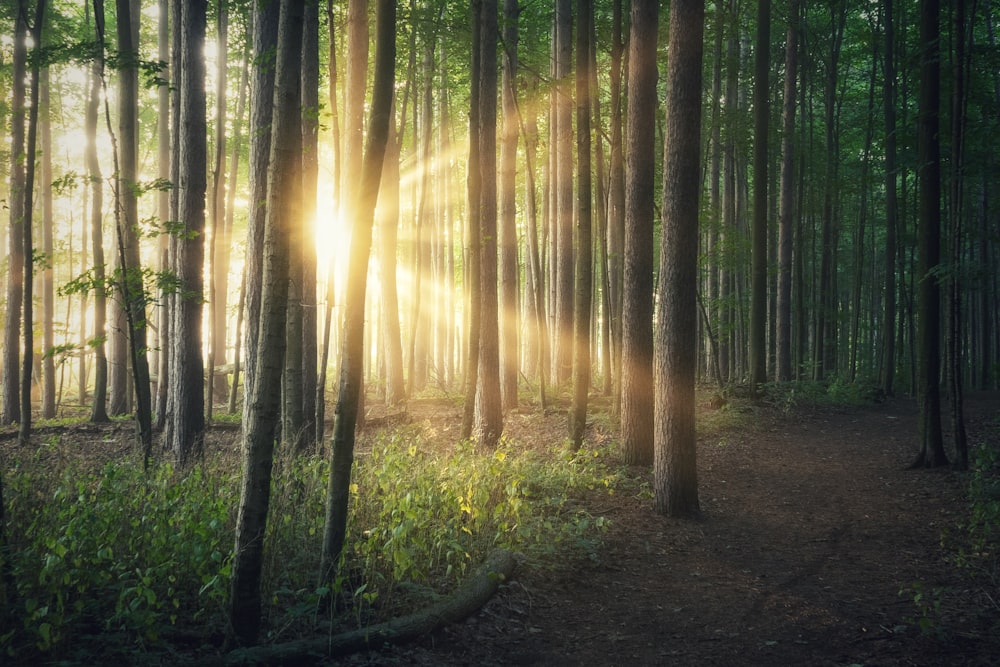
117 560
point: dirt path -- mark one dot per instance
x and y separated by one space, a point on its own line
814 543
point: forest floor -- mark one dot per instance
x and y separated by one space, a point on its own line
817 546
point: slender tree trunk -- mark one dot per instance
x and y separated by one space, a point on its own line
218 236
265 37
473 254
387 224
261 406
928 342
48 408
787 206
584 240
24 431
188 415
637 309
11 411
163 148
509 320
758 233
489 411
563 182
675 484
310 185
888 326
352 353
616 204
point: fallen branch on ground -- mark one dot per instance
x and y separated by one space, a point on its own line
461 604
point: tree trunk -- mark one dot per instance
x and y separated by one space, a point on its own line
261 405
265 37
758 234
616 206
489 412
48 410
888 362
509 273
218 241
310 179
473 255
786 223
24 432
11 411
675 484
352 353
584 240
928 341
388 223
188 415
563 184
163 148
637 297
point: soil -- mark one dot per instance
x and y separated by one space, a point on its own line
817 546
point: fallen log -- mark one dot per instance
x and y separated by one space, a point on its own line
461 604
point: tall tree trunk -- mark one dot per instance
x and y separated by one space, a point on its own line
265 37
387 224
47 274
352 353
473 255
489 413
675 484
616 204
310 184
888 326
584 240
509 357
11 411
563 183
786 223
261 405
163 147
24 431
928 341
637 297
188 415
758 271
218 236
956 213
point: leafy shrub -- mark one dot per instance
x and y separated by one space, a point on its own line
116 553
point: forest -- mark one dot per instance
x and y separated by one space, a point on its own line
323 319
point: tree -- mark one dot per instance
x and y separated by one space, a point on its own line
24 431
637 292
352 351
675 485
187 419
563 190
928 241
584 240
509 368
98 407
163 201
786 197
489 412
261 405
758 274
11 411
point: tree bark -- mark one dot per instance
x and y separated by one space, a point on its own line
509 272
637 295
674 470
928 340
352 352
11 411
465 601
584 241
261 405
786 223
758 234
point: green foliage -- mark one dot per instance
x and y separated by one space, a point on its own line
980 551
115 553
129 560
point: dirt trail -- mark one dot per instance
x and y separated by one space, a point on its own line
813 543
